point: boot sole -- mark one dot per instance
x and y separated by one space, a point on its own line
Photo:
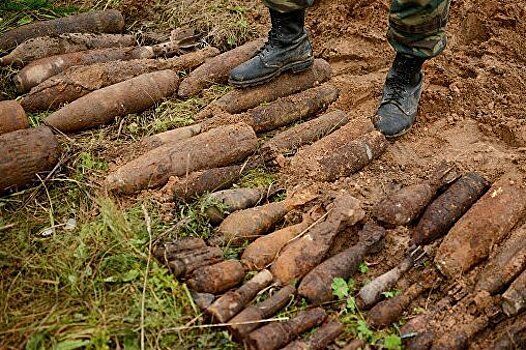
401 133
295 67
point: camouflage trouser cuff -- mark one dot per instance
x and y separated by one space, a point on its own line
429 28
284 6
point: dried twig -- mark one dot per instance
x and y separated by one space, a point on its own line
148 221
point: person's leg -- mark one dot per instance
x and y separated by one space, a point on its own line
284 6
288 46
416 32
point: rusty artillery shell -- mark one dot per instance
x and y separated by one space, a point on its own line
506 266
108 21
12 117
249 224
167 251
216 70
249 319
217 278
278 334
78 81
26 153
304 133
264 250
320 339
391 310
459 338
226 307
240 100
337 155
316 286
216 148
185 263
104 105
371 293
403 206
514 299
444 211
483 226
416 333
234 199
209 180
281 112
300 256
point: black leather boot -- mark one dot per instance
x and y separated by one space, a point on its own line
402 90
288 48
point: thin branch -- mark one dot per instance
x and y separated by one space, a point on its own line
143 298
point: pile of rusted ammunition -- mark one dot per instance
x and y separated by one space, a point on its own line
90 79
470 216
83 60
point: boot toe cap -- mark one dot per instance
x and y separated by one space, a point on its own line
392 122
239 74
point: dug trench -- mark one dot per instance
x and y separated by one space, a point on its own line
471 116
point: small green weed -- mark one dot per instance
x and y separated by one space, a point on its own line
391 293
363 268
355 321
257 178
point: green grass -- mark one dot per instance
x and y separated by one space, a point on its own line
85 286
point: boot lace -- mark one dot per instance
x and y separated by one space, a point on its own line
269 44
395 91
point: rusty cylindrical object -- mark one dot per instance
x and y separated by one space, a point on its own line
227 306
444 211
514 299
217 278
485 225
321 338
216 148
104 105
316 286
78 81
240 100
109 21
278 334
253 315
25 153
12 117
504 267
217 69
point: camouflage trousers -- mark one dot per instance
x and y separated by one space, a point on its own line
416 27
